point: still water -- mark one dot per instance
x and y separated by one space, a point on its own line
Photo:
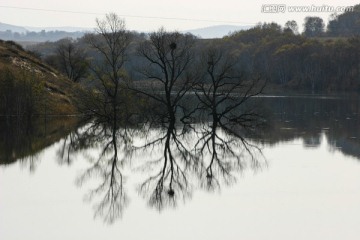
298 178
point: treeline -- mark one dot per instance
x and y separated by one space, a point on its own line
345 25
298 62
275 54
311 61
320 59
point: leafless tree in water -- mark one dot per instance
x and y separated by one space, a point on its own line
224 97
111 42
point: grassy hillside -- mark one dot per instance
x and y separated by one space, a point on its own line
30 87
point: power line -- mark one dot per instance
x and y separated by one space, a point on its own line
126 16
51 10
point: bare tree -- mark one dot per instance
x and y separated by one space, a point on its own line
72 60
223 94
169 55
111 42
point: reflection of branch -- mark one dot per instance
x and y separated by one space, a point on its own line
68 148
31 160
114 198
171 179
225 152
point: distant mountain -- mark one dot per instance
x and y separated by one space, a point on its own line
218 31
4 27
36 34
65 29
20 29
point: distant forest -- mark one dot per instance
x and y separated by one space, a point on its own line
317 60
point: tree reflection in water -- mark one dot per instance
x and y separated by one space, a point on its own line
223 154
170 163
115 149
172 158
201 155
107 166
177 162
177 159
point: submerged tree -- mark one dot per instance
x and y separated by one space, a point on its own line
224 96
169 56
110 42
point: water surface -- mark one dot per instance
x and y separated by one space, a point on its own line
300 179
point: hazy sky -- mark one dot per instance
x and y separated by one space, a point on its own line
152 14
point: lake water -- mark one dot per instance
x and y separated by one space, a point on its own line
299 178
